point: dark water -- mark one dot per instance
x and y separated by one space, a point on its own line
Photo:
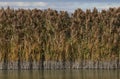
60 74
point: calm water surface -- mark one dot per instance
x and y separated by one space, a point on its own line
60 74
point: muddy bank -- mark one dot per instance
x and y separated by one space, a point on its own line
61 65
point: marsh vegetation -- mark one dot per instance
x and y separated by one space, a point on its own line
56 39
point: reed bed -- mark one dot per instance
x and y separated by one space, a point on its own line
49 35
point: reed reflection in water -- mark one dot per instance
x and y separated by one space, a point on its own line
60 74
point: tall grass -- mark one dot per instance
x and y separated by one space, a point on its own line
49 35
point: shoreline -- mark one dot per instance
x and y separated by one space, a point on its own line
54 65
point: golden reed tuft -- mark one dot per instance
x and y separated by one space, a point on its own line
35 35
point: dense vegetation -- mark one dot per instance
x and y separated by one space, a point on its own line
49 35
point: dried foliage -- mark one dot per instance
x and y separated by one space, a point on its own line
44 35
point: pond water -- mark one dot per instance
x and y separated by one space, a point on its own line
60 74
